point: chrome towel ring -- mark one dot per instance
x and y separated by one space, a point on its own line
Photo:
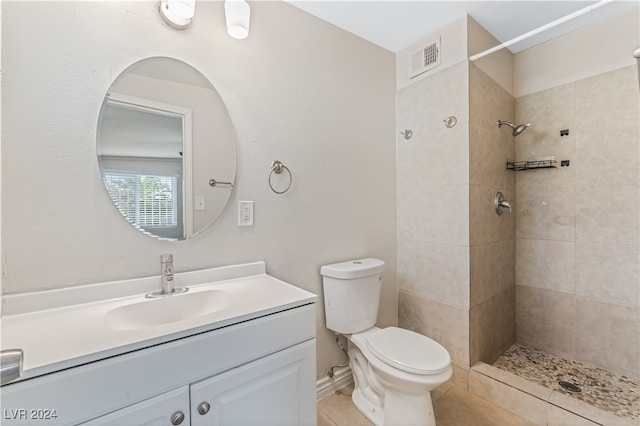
279 184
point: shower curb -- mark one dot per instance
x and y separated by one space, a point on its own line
536 403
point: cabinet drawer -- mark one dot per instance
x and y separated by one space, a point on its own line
157 411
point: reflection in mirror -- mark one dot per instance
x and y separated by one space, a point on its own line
163 133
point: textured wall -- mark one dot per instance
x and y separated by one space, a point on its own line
298 90
578 227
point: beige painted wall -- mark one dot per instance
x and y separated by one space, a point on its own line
453 50
298 90
499 65
604 46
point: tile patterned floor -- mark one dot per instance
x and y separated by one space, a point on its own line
617 394
453 406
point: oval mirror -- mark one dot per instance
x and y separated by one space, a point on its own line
166 148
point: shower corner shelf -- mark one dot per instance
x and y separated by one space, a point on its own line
529 165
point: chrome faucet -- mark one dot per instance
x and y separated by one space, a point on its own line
166 272
167 287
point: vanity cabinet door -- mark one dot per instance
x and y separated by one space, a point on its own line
277 390
171 408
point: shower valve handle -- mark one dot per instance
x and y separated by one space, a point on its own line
501 204
506 204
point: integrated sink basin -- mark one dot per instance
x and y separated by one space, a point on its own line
169 309
103 320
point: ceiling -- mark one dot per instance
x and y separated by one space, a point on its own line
396 24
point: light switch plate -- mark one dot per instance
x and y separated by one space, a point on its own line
200 205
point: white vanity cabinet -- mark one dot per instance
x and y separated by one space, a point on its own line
270 391
259 371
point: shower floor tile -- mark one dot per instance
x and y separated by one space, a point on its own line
614 393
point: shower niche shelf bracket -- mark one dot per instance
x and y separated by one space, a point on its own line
536 164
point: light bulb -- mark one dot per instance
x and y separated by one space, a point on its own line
237 14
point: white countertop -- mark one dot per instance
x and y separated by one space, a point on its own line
55 336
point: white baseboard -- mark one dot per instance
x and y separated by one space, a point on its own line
327 386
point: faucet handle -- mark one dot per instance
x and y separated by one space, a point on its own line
501 204
11 361
166 258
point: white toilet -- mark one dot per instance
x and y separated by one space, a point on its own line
394 370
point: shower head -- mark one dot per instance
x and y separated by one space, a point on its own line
517 129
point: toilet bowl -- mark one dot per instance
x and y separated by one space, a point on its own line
394 372
394 369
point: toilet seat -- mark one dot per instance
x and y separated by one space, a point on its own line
409 351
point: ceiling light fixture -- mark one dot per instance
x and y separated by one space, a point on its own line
238 14
178 13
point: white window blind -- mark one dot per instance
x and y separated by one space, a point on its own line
145 200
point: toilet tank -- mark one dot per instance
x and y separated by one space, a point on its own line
352 294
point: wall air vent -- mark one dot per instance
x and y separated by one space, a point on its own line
425 58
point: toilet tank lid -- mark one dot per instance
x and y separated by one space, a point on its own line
353 269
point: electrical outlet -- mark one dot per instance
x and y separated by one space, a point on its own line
245 213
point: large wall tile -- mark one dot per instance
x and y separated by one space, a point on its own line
441 157
608 214
437 272
489 102
550 179
440 215
546 264
609 158
492 237
447 325
423 105
546 213
608 335
486 225
615 104
608 129
490 150
548 111
545 319
492 269
608 272
490 147
492 327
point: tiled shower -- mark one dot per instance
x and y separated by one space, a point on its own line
456 256
577 286
559 274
